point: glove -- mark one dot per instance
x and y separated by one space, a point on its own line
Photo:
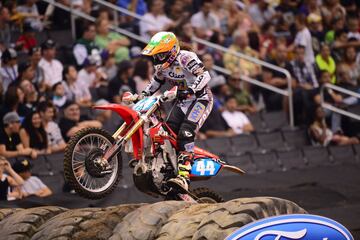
182 95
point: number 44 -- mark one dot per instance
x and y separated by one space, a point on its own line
201 168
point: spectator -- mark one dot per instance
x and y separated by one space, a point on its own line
109 69
344 80
351 64
262 12
155 20
59 98
332 9
31 95
114 42
73 89
27 39
124 80
30 12
9 68
241 94
143 72
216 126
39 78
85 45
89 76
353 27
5 33
13 102
6 181
330 97
31 185
102 115
237 120
316 30
233 63
322 135
205 22
55 140
52 67
10 144
325 62
140 6
33 135
303 37
303 70
25 72
216 79
272 100
72 122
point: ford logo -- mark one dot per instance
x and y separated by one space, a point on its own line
296 226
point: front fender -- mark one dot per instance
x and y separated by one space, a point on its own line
130 117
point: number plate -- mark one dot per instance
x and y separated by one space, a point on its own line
205 167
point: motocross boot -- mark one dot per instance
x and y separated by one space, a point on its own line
182 180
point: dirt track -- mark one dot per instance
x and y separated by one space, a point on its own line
161 220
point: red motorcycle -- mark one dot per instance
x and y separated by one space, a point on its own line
92 163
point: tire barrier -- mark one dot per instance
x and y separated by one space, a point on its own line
161 220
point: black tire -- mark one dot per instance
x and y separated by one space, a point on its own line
206 195
231 215
84 224
5 212
183 224
22 225
146 221
68 168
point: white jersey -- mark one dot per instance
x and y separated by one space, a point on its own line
187 71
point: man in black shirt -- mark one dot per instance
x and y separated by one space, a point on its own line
216 126
10 144
72 122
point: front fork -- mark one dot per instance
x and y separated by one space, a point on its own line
115 148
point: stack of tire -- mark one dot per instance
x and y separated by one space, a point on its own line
162 220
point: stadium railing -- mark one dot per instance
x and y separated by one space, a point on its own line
288 93
334 108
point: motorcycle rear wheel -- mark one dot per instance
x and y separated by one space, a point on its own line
71 171
206 195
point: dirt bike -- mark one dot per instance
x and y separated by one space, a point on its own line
92 162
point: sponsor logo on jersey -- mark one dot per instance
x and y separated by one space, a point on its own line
191 64
175 75
295 226
196 112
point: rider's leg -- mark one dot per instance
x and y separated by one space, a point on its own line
194 118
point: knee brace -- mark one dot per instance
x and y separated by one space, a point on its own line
186 136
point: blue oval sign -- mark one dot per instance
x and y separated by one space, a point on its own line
295 226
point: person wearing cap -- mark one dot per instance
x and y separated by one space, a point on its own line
52 67
9 68
9 178
10 144
72 122
31 185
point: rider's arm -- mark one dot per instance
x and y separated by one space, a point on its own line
155 83
192 63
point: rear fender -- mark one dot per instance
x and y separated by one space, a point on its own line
203 168
130 117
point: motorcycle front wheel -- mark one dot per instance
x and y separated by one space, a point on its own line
81 170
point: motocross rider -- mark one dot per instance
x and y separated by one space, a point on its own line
184 69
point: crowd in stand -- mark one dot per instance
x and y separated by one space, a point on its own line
44 98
